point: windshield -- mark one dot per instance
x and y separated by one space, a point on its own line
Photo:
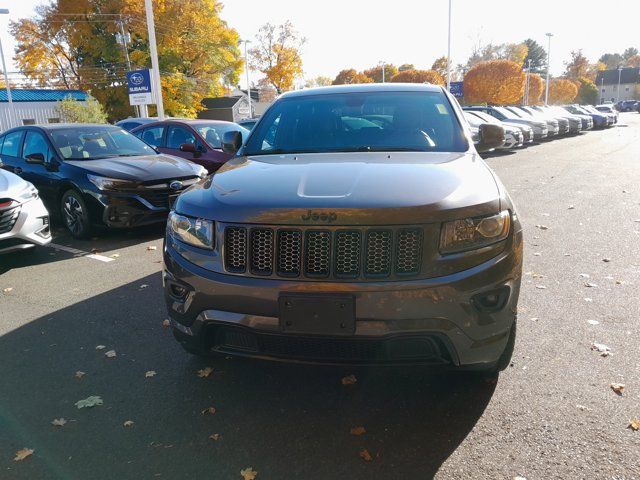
91 143
506 112
347 122
486 117
213 132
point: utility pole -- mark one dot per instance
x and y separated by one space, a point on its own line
449 52
123 39
527 83
246 66
382 65
546 90
619 77
12 110
154 58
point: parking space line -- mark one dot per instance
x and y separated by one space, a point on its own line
80 253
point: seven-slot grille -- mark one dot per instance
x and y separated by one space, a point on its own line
8 219
321 254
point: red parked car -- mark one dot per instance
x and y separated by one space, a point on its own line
195 140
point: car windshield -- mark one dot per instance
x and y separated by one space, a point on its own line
349 122
506 112
91 143
486 117
213 132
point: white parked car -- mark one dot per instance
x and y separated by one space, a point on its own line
24 220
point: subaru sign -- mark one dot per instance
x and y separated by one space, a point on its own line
457 89
139 86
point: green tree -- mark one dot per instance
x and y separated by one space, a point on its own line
73 111
537 54
587 92
629 53
611 60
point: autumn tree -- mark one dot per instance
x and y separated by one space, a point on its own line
629 53
588 92
375 73
496 82
350 76
578 66
537 54
440 65
71 44
514 52
633 61
536 89
319 81
88 111
406 66
562 91
277 54
418 76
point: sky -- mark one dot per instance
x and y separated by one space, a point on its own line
361 33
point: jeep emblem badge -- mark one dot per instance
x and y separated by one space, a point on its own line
320 216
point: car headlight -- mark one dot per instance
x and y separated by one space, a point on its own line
194 231
29 193
105 183
474 233
201 172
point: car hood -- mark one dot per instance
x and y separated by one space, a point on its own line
359 188
11 185
142 168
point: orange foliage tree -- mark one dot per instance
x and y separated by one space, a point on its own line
496 82
418 76
349 76
562 91
536 89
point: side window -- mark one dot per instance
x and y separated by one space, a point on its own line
179 135
151 135
11 144
34 142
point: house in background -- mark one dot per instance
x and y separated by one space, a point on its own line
607 83
34 105
234 107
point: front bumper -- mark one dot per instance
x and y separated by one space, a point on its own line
122 210
427 321
30 228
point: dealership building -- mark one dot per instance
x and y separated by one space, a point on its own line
619 84
34 106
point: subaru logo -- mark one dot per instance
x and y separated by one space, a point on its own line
175 185
137 79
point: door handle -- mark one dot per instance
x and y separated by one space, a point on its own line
17 170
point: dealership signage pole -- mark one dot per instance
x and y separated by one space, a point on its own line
154 58
246 66
546 90
12 110
449 52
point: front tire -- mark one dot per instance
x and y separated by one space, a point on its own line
75 214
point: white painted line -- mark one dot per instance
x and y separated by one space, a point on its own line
80 253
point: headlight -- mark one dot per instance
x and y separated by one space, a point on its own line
194 231
29 193
474 233
201 172
105 183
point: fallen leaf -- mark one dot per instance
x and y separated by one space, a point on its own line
248 473
128 423
59 422
152 247
208 411
542 227
215 436
22 454
7 290
618 388
541 287
357 431
150 373
115 255
590 285
166 323
365 455
110 354
100 347
606 260
143 286
619 282
80 374
349 380
634 425
89 402
205 372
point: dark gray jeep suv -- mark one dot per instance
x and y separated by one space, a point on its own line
358 224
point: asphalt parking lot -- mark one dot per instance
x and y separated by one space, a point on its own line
553 414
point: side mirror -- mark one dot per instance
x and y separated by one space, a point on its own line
231 142
37 158
491 136
188 147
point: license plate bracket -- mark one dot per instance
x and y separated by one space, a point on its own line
318 314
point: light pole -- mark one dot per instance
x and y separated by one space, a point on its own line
246 66
14 118
449 52
546 90
382 64
602 88
151 28
619 77
123 38
527 83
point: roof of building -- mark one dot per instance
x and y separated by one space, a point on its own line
220 102
41 95
627 75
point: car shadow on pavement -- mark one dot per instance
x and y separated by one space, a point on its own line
285 421
104 240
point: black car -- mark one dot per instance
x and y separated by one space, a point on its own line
130 123
96 174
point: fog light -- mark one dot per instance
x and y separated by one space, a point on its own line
178 291
492 301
